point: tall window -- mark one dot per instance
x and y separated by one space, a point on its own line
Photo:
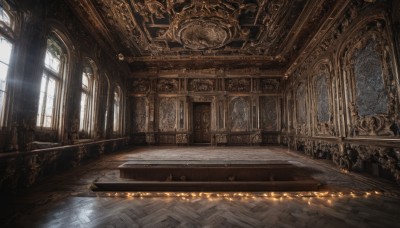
117 110
107 97
88 101
5 55
50 84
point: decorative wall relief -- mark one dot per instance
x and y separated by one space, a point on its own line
268 112
371 96
238 85
140 85
221 138
167 85
301 106
270 85
221 114
368 64
181 114
240 139
256 138
182 138
167 114
139 114
201 85
322 97
290 115
239 109
322 103
150 138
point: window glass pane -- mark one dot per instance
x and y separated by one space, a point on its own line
42 95
3 76
5 53
43 83
116 117
116 112
2 103
50 97
83 111
85 81
4 17
52 62
47 121
49 103
105 120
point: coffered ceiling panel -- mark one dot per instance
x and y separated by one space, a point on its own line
267 34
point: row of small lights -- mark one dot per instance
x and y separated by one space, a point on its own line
234 196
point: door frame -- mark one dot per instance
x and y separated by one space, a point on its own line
192 121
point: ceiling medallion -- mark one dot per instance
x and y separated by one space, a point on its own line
204 25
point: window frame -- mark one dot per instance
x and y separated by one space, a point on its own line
59 77
116 126
87 125
7 32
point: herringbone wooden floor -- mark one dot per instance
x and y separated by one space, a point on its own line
64 200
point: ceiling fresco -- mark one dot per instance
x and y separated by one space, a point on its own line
267 34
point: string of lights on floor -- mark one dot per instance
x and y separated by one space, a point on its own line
327 196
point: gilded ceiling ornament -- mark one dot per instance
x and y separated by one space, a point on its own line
205 25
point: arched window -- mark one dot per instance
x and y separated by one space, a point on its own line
107 105
88 99
5 19
52 79
117 110
6 47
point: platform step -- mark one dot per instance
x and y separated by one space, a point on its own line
202 186
212 171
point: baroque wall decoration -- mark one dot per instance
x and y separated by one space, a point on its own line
201 85
167 114
301 105
167 85
370 82
270 85
140 85
323 109
322 100
371 97
268 113
239 114
139 114
238 84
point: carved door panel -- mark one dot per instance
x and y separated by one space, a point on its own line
201 122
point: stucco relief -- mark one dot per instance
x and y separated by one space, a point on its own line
321 101
167 114
370 80
270 85
371 96
201 85
139 112
301 107
239 110
140 85
238 85
167 85
322 97
268 109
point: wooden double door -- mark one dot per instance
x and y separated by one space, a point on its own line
201 122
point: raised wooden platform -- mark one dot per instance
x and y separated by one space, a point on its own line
210 175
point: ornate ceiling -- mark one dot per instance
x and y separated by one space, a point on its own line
267 34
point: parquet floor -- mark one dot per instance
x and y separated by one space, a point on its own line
65 200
